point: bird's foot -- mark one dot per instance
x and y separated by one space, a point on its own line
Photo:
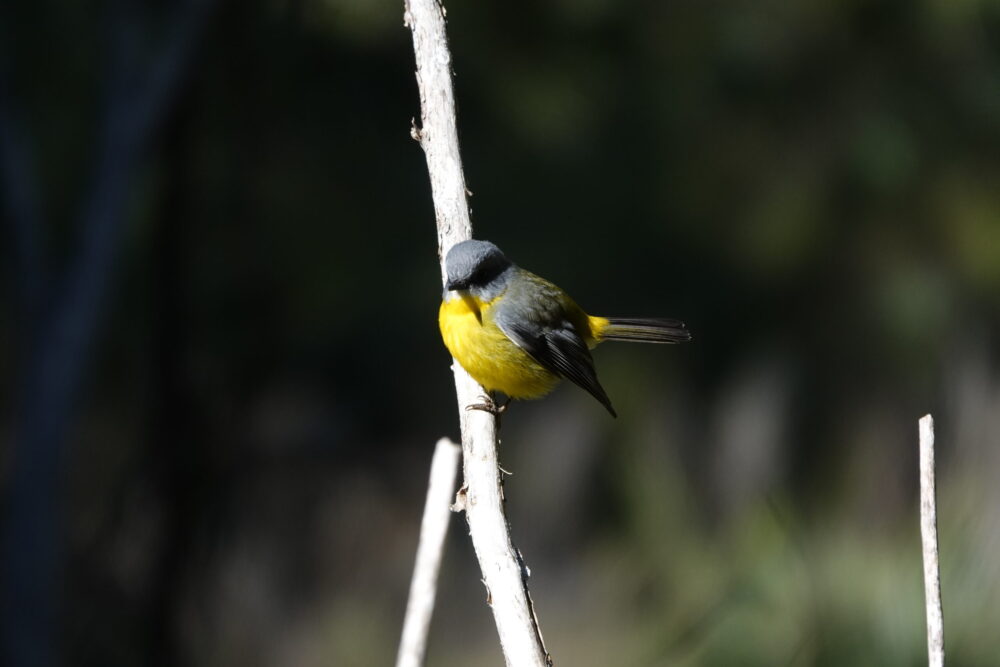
489 405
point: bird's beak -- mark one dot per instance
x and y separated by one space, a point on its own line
452 285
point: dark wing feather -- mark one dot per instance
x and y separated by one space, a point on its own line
561 350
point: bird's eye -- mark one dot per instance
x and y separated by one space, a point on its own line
487 271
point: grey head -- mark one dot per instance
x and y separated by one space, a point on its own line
477 266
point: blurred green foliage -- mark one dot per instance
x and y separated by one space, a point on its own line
812 186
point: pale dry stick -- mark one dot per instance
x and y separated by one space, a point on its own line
928 533
430 549
481 497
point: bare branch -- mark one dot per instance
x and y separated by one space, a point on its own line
438 131
503 570
928 532
433 529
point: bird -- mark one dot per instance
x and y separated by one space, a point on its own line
519 334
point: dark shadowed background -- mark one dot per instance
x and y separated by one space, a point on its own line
222 378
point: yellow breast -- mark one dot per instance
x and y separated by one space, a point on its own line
483 350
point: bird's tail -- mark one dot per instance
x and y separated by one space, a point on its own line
640 329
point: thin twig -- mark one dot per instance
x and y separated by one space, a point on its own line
482 498
928 531
430 549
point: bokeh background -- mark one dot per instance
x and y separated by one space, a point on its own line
222 377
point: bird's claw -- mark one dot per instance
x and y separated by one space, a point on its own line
489 405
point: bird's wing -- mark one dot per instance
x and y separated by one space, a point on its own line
559 348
